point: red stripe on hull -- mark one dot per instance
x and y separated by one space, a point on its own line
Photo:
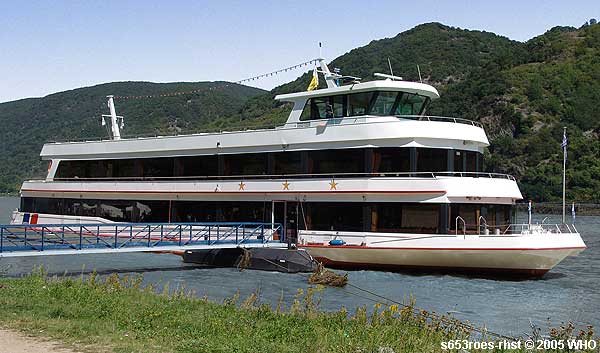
429 249
508 273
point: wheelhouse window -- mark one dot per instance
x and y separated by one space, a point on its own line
410 104
379 103
384 103
324 108
359 103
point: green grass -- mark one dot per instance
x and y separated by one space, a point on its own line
116 314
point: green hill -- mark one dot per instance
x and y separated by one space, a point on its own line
523 93
75 114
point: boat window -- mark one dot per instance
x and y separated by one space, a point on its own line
336 161
194 211
152 211
122 168
72 169
432 160
245 164
496 216
359 103
198 166
384 103
315 109
157 167
86 208
471 161
116 210
347 216
342 216
391 159
287 163
339 105
324 108
411 104
458 161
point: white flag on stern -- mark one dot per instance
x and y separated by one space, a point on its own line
573 211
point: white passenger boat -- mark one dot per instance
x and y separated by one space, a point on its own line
359 175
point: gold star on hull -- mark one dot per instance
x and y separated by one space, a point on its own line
333 185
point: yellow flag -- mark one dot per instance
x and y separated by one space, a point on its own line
314 83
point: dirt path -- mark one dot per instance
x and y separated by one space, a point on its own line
14 342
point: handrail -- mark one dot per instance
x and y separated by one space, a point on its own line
15 238
464 225
241 129
479 225
441 119
433 175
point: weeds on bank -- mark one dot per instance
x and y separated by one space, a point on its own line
117 313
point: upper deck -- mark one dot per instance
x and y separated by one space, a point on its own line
381 113
348 132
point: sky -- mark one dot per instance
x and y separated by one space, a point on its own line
52 46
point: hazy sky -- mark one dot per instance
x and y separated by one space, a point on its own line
51 46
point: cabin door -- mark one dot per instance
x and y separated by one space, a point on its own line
286 214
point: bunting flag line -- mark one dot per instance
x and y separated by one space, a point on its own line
199 90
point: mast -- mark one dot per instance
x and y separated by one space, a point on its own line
114 119
329 77
564 145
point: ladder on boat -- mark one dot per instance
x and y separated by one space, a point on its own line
62 239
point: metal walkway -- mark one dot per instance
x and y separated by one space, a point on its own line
62 239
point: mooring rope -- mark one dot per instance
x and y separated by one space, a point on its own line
482 331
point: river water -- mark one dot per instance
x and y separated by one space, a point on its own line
570 292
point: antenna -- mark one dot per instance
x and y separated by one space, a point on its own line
114 119
390 65
320 51
419 71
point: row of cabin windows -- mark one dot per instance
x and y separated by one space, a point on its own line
357 160
338 216
381 103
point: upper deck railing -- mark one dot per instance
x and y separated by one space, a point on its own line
249 128
429 175
441 119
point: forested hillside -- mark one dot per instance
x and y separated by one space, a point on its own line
75 114
523 93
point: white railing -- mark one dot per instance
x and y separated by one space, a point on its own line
540 228
433 175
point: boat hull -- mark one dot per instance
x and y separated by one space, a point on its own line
524 256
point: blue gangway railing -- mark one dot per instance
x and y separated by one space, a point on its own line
111 237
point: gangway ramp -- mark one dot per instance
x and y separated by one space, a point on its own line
17 240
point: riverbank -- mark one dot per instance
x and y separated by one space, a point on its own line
117 314
15 342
